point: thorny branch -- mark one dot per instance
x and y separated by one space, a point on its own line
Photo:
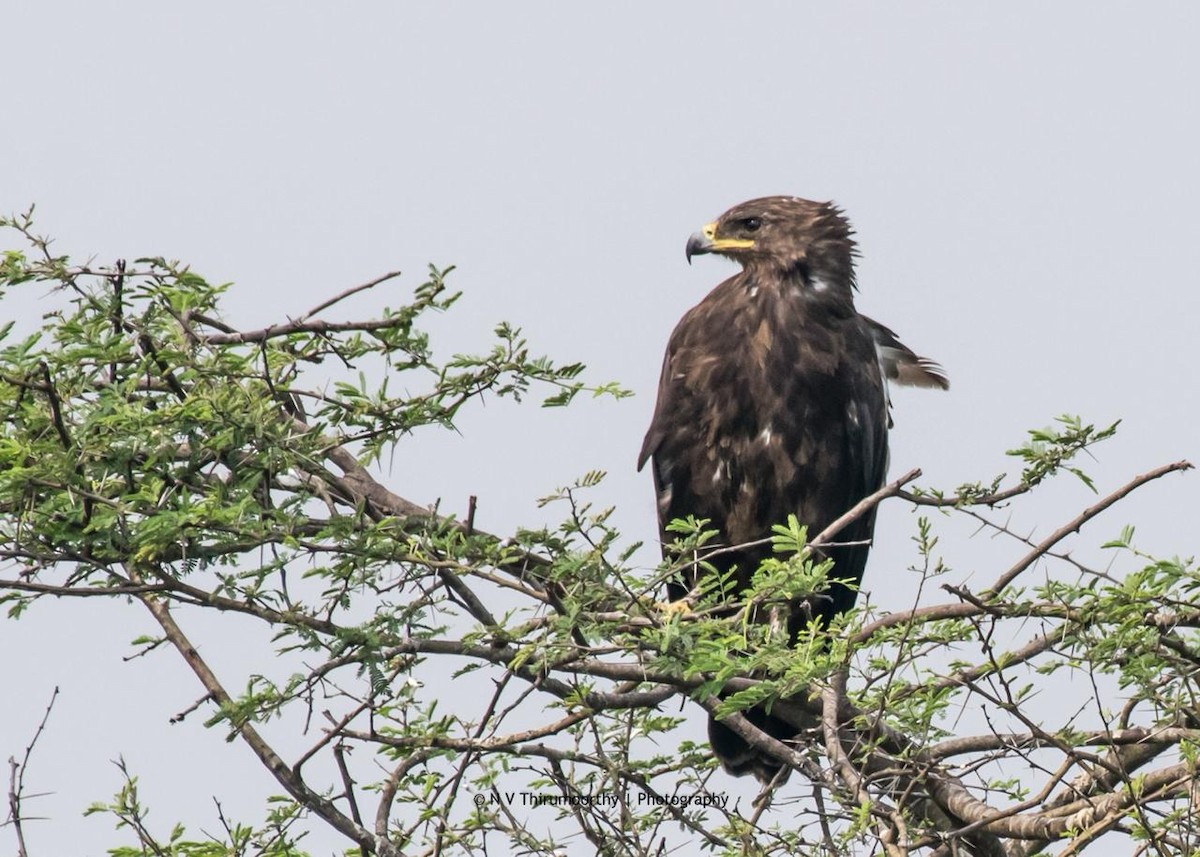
16 781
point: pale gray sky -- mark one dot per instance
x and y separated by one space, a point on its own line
1023 181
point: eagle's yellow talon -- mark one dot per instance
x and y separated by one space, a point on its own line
673 608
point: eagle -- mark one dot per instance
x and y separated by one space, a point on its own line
773 402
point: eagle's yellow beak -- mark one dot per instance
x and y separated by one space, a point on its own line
706 241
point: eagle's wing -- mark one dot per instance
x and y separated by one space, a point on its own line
654 434
900 364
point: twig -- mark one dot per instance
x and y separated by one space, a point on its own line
1082 518
312 326
55 407
16 778
387 794
822 539
181 716
118 311
353 290
339 753
863 506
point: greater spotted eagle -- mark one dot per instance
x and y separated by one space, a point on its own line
773 402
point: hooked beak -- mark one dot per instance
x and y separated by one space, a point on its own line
706 241
701 242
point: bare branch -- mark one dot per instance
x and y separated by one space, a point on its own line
341 296
1082 518
16 780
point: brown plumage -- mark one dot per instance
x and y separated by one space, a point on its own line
773 402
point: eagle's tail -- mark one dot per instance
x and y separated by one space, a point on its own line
739 758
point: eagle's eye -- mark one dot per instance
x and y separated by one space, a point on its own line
751 224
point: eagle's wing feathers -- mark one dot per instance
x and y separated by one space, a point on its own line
901 365
662 407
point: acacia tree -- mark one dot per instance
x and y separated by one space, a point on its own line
152 451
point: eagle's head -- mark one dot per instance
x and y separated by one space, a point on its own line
787 237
